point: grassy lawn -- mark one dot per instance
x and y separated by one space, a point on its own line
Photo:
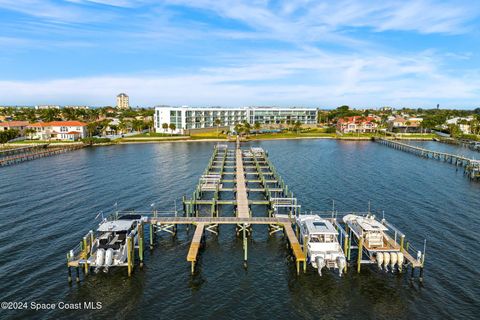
41 142
152 134
208 135
417 135
290 134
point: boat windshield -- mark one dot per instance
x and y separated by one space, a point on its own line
323 238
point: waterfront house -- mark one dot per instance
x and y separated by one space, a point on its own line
405 124
463 123
357 124
59 130
16 125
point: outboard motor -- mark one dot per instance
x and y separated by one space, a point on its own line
379 260
320 264
99 259
386 260
393 260
400 261
341 262
108 259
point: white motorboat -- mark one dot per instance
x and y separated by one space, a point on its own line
109 248
321 239
379 245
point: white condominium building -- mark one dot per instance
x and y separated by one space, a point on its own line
186 118
122 101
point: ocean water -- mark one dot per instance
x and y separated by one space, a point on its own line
47 205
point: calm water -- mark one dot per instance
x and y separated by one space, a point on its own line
47 205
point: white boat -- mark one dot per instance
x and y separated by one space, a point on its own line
379 245
109 248
321 239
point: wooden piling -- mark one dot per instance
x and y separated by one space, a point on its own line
129 255
360 253
140 243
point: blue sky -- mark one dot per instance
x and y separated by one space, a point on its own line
364 53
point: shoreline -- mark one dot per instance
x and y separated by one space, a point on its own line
145 141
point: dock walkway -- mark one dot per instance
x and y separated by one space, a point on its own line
241 188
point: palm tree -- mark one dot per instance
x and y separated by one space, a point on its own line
137 125
257 127
238 128
217 123
172 127
91 127
122 126
93 114
49 115
297 126
114 128
29 132
246 128
165 126
69 114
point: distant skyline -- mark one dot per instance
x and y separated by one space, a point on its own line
362 53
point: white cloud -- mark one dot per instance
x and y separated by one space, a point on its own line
329 80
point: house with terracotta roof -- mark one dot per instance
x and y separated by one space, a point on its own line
17 125
59 130
357 124
405 124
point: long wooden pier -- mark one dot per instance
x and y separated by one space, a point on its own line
471 166
18 155
242 198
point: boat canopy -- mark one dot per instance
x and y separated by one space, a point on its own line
115 226
369 224
320 226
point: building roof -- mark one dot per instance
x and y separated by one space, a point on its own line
356 119
122 95
14 124
59 124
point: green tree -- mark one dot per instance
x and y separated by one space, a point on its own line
165 126
217 122
297 126
91 128
8 135
172 127
49 115
238 128
29 132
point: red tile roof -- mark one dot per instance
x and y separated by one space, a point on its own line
59 124
14 124
356 119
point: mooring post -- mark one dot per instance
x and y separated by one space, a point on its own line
129 255
140 243
345 247
85 253
360 253
151 234
245 244
402 240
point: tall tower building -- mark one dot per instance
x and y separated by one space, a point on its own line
122 101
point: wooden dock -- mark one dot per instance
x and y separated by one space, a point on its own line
18 155
241 187
195 245
281 210
471 166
